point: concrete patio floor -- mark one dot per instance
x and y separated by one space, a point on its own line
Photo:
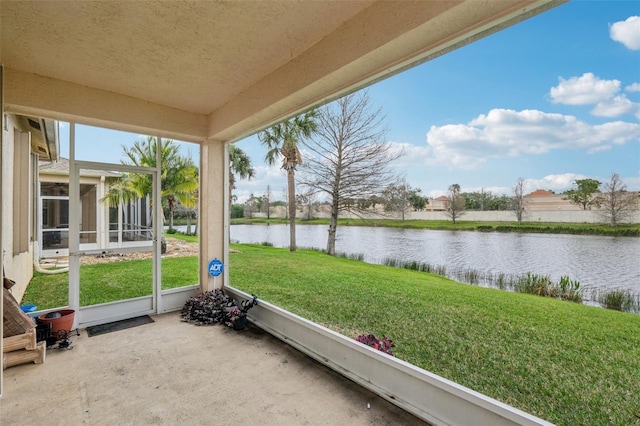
170 372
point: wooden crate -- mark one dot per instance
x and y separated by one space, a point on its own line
22 356
21 341
15 321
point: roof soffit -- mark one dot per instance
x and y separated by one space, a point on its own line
222 70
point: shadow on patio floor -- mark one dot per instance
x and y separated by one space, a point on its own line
171 372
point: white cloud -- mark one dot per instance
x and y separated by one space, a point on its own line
635 87
509 133
264 175
495 190
633 183
414 155
556 183
435 193
584 90
616 107
627 32
266 171
601 148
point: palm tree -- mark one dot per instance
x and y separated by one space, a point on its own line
240 165
178 176
282 141
179 184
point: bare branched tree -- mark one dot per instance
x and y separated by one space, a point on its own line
402 198
518 200
189 213
616 202
250 206
348 159
306 200
266 202
455 205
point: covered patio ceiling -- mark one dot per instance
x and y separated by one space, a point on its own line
221 70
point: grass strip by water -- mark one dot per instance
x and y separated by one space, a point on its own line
564 362
628 230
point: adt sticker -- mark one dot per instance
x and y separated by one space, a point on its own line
216 267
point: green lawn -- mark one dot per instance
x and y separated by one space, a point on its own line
107 282
568 363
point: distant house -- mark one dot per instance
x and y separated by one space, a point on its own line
101 226
540 193
542 200
437 204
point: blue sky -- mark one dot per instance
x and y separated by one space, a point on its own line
552 99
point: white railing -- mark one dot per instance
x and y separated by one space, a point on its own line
426 395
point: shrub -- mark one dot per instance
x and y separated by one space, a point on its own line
389 261
353 256
440 270
570 290
472 276
536 284
384 345
617 299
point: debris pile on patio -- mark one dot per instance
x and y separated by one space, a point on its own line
214 307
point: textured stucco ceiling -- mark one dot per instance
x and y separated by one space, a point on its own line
187 55
220 69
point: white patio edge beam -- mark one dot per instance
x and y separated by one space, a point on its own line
35 95
426 395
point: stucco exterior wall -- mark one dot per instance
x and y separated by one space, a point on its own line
17 266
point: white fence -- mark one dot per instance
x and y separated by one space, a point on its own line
571 216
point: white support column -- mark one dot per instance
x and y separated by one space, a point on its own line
74 225
120 213
102 216
214 208
2 225
158 228
138 219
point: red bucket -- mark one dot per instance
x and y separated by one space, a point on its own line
63 322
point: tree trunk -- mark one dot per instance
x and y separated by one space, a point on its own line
333 226
331 240
292 207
